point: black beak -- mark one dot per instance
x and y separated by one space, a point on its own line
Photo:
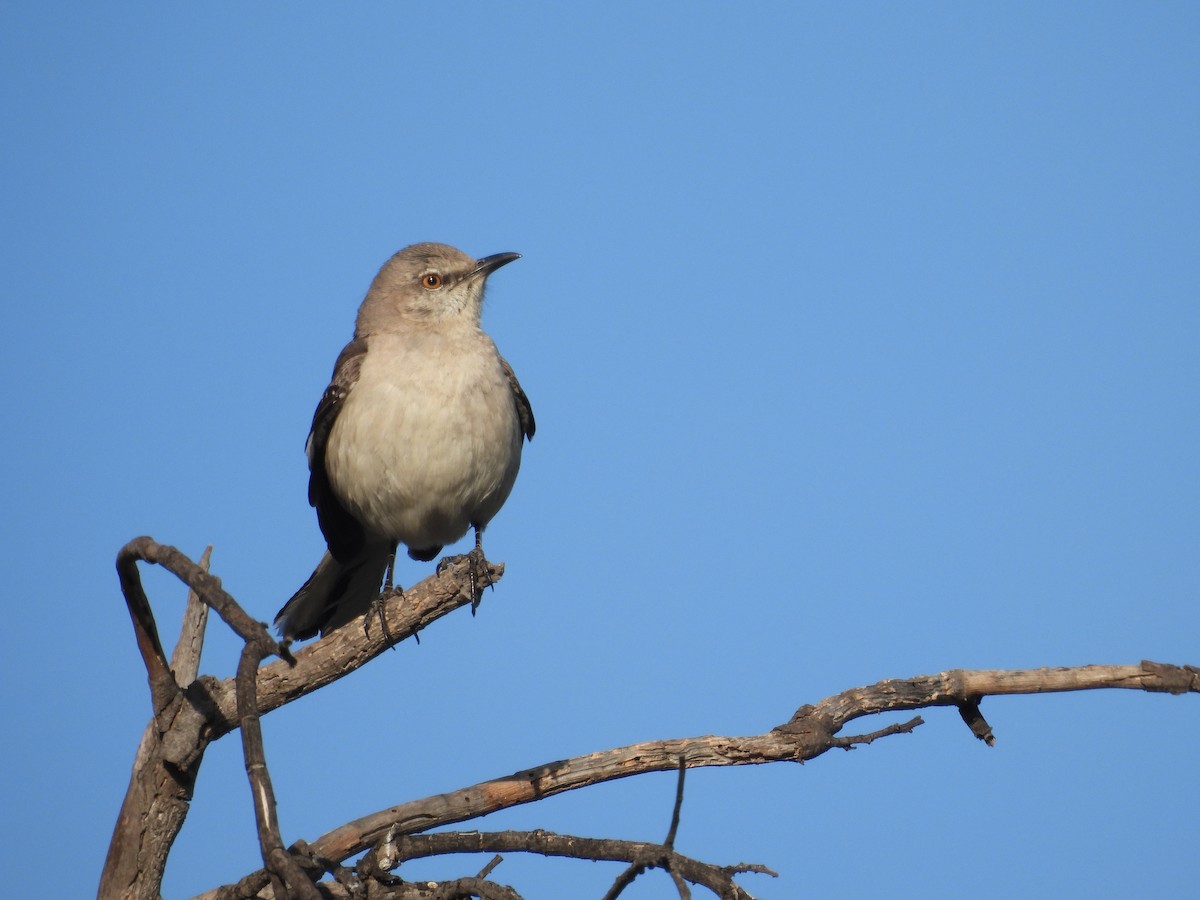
490 264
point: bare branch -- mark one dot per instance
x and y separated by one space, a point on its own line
811 731
162 683
190 712
348 649
849 742
491 866
207 586
173 744
185 658
472 887
635 869
674 827
545 843
277 860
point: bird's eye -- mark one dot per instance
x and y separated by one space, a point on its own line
432 281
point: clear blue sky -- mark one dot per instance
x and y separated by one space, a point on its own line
863 342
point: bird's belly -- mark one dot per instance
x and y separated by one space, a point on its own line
419 460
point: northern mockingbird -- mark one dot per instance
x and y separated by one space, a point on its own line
417 438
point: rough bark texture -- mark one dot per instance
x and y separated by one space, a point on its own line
189 712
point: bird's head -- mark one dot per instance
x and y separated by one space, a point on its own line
428 282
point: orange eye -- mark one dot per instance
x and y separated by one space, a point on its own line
432 281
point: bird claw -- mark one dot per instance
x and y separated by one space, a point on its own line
377 609
447 561
479 568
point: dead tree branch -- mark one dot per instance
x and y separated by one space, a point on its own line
190 711
811 731
662 859
282 865
397 849
164 770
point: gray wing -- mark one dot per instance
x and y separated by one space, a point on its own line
343 533
524 410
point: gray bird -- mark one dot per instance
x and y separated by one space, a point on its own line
417 438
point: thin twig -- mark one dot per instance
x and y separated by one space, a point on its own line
491 866
670 840
276 859
850 741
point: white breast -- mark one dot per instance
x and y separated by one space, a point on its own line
428 442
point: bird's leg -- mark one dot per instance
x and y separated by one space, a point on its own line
391 570
478 565
389 591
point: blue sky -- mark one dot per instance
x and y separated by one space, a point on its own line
862 341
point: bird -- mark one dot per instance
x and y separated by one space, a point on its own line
417 438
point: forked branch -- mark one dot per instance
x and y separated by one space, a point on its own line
811 731
188 712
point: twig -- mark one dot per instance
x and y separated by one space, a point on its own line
185 658
719 879
277 860
491 866
849 742
208 588
657 859
671 831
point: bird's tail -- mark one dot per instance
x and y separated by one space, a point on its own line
334 594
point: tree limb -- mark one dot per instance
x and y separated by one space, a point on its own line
811 731
279 862
190 712
185 658
348 649
640 865
397 849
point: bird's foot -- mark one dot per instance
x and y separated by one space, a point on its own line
479 571
377 609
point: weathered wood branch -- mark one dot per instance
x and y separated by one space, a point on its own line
352 646
172 747
663 858
287 877
397 849
185 658
189 712
811 731
164 771
642 854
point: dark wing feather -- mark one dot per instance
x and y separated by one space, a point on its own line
343 533
524 410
